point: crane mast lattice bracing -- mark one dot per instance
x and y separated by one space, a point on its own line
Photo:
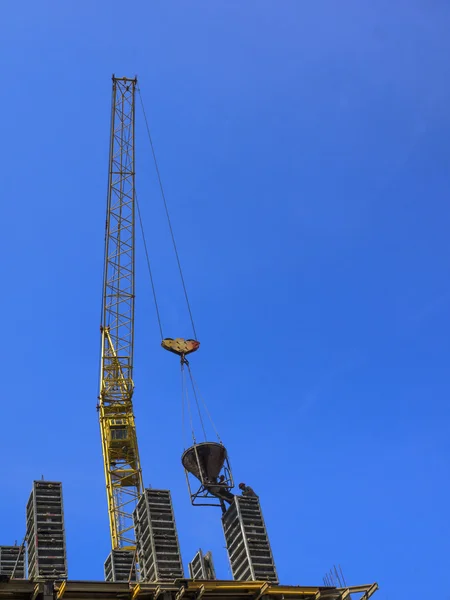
117 425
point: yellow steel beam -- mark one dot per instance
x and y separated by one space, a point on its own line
262 590
61 590
136 592
225 585
367 589
275 591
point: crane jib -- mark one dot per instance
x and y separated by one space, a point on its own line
122 466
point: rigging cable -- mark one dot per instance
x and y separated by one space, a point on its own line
196 399
188 404
195 386
167 213
183 432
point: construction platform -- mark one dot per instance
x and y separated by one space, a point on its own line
17 589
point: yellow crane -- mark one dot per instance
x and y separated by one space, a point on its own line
117 424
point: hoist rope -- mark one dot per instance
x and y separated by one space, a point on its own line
149 268
184 384
167 213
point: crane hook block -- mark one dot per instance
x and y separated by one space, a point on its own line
180 346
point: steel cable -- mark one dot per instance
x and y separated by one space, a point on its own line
167 214
149 268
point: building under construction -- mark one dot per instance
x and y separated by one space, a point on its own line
145 560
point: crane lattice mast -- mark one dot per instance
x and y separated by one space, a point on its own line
117 424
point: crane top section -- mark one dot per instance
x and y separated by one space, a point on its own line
118 276
129 79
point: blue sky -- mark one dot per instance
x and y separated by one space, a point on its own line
304 151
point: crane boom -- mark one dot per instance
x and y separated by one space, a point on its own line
117 424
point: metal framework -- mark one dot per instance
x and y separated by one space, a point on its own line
118 432
177 590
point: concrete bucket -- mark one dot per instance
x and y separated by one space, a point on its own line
205 461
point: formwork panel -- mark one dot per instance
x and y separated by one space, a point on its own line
158 549
120 566
12 561
202 566
46 540
247 541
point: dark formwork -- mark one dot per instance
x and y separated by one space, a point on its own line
11 562
202 566
46 540
247 541
158 550
120 566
